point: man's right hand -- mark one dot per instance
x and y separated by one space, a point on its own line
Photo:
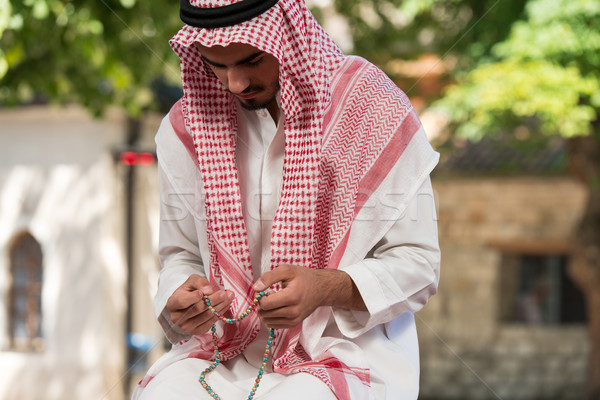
187 307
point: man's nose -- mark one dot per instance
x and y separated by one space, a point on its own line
237 80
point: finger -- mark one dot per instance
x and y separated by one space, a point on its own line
280 313
182 300
195 282
182 317
187 294
198 316
281 323
221 299
198 322
280 274
220 303
284 298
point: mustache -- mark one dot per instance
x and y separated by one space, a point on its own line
249 89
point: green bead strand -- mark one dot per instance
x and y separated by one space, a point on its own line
213 329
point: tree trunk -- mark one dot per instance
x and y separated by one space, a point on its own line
585 260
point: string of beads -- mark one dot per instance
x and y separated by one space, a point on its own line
217 361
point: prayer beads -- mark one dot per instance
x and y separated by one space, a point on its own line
213 329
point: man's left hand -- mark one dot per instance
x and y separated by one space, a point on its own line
304 290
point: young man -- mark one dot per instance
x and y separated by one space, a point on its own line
291 169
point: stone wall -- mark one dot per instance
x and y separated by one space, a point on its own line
467 351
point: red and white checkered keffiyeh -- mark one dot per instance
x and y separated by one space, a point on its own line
317 204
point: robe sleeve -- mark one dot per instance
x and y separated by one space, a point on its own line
401 272
179 251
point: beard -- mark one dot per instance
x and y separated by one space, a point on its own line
254 105
259 104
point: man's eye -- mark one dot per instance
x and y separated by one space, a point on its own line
255 61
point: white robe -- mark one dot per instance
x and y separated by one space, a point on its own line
400 273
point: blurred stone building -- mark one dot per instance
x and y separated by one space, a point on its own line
508 322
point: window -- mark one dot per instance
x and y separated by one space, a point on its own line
25 293
536 289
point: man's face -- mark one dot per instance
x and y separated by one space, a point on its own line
249 74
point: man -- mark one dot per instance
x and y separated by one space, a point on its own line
292 169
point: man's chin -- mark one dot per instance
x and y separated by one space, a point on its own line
254 105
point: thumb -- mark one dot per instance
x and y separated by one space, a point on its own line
260 284
199 285
269 278
195 282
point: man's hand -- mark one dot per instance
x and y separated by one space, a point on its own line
304 290
188 310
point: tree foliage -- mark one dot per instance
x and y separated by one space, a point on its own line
92 52
533 64
537 95
545 76
405 29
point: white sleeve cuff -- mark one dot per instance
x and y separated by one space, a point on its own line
353 323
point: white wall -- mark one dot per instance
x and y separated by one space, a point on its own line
58 180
